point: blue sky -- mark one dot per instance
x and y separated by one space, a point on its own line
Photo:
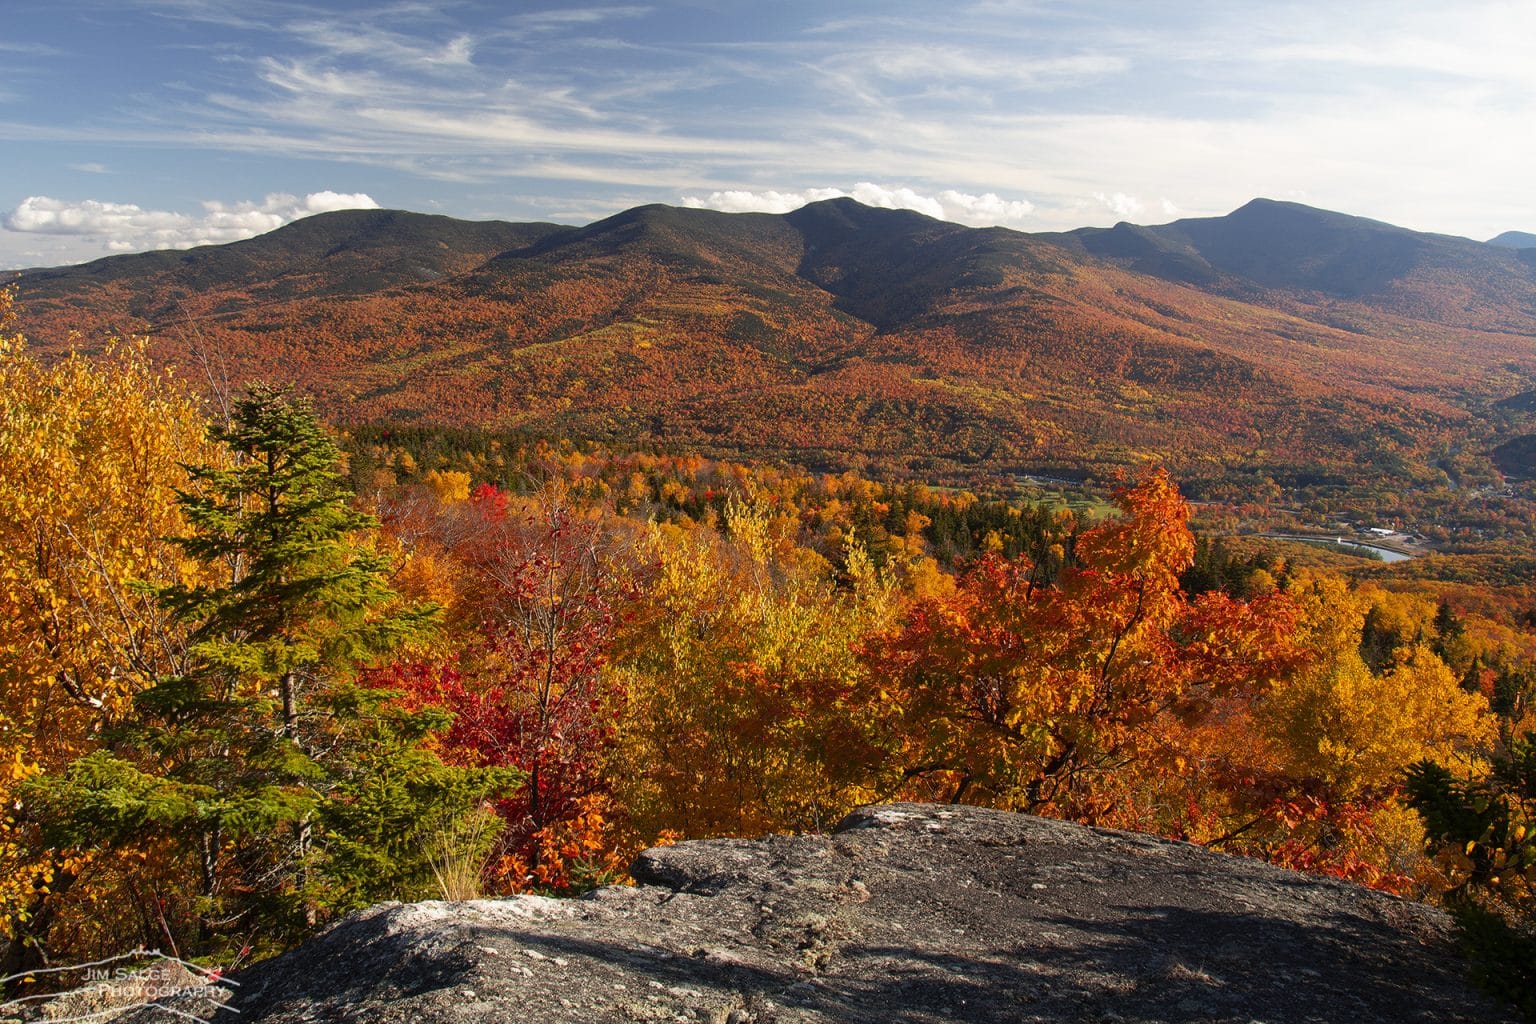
135 124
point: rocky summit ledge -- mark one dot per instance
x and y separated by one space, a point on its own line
905 913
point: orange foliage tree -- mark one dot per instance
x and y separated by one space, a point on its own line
1056 695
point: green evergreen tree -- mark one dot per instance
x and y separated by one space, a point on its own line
1450 629
1488 824
296 789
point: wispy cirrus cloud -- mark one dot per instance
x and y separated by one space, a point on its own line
545 21
930 63
28 48
488 129
343 39
1487 42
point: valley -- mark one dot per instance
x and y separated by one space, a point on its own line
688 524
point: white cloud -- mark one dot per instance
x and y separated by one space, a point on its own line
544 20
127 227
897 199
984 210
351 40
329 202
771 201
1120 204
30 49
91 168
927 63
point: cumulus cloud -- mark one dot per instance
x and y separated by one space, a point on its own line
1129 207
1121 205
770 201
986 210
127 227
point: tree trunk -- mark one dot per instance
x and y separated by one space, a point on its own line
288 687
210 841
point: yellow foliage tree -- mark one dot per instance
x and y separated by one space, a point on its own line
745 707
90 455
1333 739
1356 730
448 485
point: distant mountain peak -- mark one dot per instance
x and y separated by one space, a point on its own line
1265 203
1283 245
1283 210
1514 240
847 213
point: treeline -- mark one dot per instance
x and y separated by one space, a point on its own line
253 682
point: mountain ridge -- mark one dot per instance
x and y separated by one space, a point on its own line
1514 240
1286 246
1278 336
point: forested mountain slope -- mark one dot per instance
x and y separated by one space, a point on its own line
1278 338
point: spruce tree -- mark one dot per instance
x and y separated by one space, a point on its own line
1485 829
295 789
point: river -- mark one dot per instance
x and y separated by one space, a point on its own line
1386 554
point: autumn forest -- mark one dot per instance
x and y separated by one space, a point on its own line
485 628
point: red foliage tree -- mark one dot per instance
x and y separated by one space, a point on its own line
528 690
